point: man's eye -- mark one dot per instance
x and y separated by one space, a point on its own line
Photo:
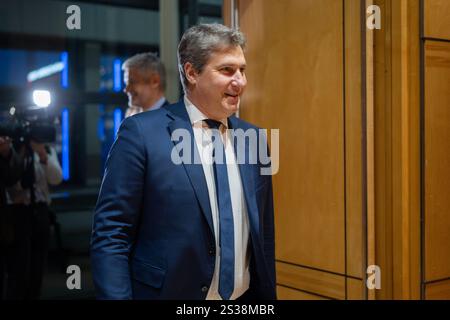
227 70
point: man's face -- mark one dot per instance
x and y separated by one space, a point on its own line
217 89
141 90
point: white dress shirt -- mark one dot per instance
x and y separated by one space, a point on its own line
240 216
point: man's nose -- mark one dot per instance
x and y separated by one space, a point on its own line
239 80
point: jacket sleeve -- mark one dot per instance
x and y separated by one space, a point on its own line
116 213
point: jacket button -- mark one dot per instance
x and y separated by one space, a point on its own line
204 289
212 251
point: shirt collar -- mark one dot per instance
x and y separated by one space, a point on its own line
196 116
158 104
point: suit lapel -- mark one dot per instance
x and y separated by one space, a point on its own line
246 171
194 171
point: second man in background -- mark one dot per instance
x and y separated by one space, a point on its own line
145 83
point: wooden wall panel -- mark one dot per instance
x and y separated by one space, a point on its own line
355 289
353 133
285 293
437 19
437 160
382 111
405 99
304 72
314 281
396 97
438 290
295 76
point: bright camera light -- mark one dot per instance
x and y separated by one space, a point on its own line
41 98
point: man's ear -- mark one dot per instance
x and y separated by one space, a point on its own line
155 80
191 74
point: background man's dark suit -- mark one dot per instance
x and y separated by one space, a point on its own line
153 235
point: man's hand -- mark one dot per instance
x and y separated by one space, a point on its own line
5 147
39 148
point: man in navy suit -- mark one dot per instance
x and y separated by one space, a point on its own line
200 228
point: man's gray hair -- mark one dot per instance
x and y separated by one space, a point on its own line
147 63
200 41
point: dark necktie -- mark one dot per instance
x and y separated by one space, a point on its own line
226 277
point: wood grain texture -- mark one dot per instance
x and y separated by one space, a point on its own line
355 289
437 160
315 281
353 132
397 149
438 290
285 293
437 19
295 76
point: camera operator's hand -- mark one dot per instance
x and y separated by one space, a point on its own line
39 148
5 146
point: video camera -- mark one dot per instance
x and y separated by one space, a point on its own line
29 123
21 131
26 124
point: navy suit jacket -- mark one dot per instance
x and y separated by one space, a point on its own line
153 234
